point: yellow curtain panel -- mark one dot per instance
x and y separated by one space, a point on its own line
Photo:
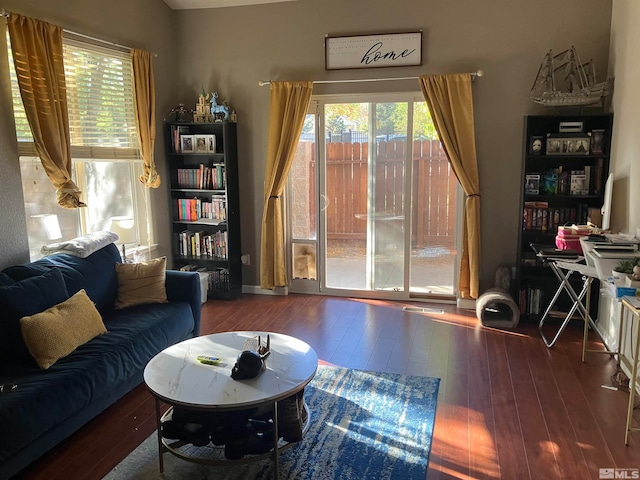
288 107
37 55
450 102
145 104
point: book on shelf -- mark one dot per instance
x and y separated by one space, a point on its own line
535 215
197 209
201 244
530 301
589 178
176 132
539 216
599 176
597 141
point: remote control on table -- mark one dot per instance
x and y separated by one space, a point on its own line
208 360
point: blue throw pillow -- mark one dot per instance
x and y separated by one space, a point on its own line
27 297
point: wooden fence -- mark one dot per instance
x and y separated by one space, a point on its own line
434 190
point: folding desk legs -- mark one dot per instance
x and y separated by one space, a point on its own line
577 304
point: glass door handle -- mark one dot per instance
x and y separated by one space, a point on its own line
325 202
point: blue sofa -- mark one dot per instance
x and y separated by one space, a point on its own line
47 406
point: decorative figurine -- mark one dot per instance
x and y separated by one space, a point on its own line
219 112
202 113
179 114
252 360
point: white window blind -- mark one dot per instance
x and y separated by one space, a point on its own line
100 96
100 102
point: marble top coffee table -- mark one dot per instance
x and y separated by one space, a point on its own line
176 377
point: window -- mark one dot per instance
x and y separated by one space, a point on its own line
104 149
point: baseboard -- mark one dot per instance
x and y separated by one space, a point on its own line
256 290
466 303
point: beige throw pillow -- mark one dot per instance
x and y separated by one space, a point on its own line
59 330
140 283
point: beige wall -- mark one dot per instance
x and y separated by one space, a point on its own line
625 66
146 24
231 49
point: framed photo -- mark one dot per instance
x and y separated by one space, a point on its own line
211 143
568 145
187 144
536 145
200 142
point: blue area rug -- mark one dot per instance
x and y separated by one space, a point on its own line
364 425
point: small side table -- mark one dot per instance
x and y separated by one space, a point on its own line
632 306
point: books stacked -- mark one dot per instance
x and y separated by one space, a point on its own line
195 209
202 178
531 300
201 244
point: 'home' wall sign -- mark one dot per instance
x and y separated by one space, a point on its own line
368 51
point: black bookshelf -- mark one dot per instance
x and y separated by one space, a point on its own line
205 203
565 166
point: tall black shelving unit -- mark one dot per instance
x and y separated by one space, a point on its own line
562 184
205 203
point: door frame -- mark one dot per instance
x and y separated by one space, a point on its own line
318 286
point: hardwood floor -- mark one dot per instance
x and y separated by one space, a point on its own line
508 407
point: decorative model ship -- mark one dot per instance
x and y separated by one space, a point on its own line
579 82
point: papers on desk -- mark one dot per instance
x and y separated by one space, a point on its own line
615 253
616 246
622 239
634 301
611 246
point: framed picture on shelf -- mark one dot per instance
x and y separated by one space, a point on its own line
186 144
200 142
535 146
568 145
211 143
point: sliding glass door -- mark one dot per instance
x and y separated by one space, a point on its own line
361 218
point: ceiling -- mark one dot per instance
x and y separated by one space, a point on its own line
189 4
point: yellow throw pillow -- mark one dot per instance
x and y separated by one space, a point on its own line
59 330
140 283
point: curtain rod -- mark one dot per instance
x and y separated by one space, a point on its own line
474 75
4 13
